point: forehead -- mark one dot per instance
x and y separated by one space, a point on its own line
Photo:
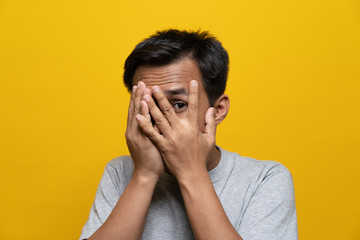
179 73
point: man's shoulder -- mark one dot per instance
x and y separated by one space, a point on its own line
120 166
121 161
252 167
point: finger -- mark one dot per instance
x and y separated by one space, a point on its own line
147 91
149 130
157 129
159 119
138 96
144 109
210 128
131 105
164 105
193 113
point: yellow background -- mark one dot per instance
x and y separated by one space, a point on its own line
293 85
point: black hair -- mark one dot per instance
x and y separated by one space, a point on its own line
168 46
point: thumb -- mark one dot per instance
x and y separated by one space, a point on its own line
210 128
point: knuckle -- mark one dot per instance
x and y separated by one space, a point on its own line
168 110
136 110
163 148
193 90
161 98
159 121
151 105
151 134
129 141
128 136
193 107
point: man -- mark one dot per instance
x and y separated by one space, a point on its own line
178 184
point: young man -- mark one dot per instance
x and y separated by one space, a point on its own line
177 184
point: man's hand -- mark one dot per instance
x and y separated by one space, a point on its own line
127 219
183 147
146 157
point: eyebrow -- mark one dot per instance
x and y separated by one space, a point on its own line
178 91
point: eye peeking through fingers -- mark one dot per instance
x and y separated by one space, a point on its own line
179 106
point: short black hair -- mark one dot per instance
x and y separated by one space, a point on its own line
168 46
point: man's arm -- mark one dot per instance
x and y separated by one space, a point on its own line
185 150
127 219
206 214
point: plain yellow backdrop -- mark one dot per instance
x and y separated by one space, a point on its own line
293 85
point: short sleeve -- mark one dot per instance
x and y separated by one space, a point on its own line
106 198
271 212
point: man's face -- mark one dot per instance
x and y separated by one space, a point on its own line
174 80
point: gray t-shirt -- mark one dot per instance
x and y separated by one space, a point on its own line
257 196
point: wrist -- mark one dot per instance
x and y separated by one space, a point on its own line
197 177
144 177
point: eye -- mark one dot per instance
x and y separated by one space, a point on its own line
179 106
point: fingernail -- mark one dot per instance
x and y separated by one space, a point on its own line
155 89
138 117
140 84
134 88
194 83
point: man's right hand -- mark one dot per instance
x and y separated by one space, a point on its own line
127 219
146 157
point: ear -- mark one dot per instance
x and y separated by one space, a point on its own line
221 107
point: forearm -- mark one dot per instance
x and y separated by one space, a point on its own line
206 214
127 219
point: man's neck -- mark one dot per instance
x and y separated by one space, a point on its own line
214 158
